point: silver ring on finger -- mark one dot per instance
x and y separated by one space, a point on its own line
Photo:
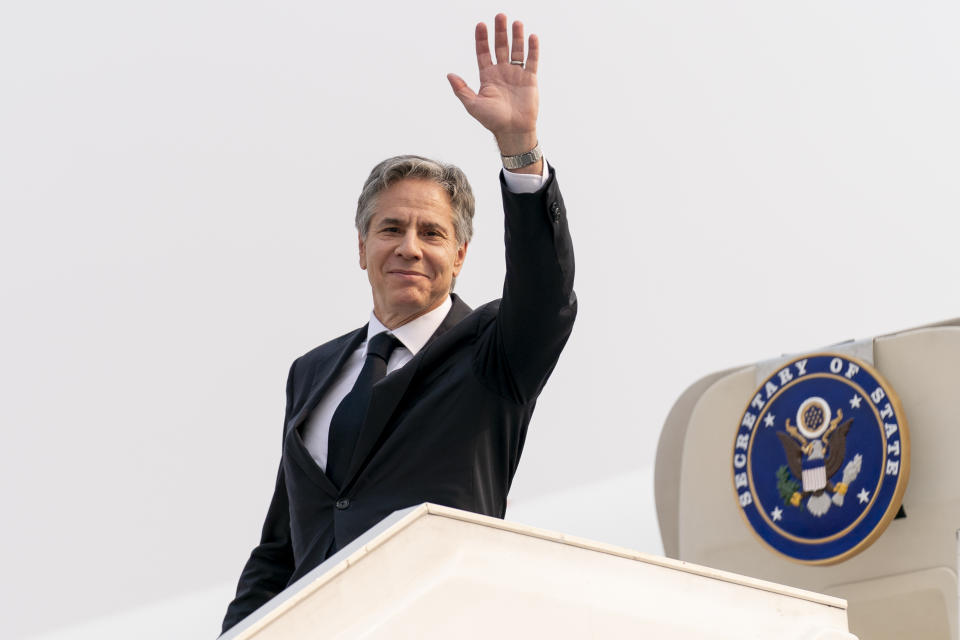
519 62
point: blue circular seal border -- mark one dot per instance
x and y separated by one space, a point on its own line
780 477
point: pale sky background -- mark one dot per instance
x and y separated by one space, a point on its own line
177 187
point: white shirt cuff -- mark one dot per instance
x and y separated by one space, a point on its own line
526 182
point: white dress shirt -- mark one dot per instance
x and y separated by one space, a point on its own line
412 337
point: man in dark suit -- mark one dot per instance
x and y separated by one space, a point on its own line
431 400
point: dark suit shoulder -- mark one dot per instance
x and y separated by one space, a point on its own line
482 315
485 314
330 349
463 324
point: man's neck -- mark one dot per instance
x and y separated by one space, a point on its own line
416 332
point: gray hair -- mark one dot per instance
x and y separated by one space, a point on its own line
450 178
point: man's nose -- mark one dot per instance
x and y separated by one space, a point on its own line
409 246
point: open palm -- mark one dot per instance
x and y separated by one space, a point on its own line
508 99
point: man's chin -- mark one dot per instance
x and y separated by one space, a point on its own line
406 304
408 298
410 306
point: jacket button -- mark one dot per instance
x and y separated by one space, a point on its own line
343 503
555 211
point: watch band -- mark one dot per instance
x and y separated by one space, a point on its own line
524 159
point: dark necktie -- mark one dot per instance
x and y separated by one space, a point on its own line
348 419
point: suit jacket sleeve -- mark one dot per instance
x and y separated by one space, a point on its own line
271 562
539 305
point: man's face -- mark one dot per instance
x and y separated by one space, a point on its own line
411 253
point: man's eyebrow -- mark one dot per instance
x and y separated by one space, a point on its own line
432 226
390 222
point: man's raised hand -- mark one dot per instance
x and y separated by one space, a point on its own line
508 99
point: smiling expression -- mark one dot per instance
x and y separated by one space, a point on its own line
411 253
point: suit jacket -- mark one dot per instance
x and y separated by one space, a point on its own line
448 427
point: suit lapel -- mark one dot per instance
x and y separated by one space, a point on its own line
388 392
458 311
324 374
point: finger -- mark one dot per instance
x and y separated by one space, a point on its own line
500 44
516 53
533 53
483 46
461 89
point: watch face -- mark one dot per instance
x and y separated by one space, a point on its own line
821 458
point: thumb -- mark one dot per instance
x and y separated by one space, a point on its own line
460 89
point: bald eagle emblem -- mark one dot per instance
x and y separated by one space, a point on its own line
815 449
821 457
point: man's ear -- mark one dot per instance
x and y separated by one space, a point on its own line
458 262
363 251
